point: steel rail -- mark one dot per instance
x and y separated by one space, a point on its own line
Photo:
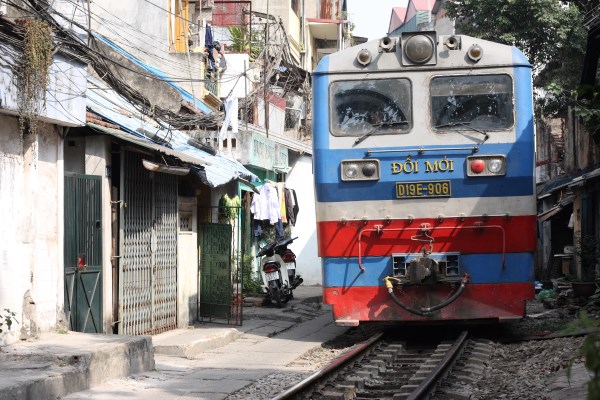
428 384
336 365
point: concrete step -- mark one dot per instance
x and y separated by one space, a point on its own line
191 342
56 364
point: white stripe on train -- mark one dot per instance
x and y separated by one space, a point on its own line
426 208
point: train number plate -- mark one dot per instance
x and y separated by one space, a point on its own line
413 190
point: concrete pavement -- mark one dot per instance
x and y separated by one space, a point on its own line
58 364
269 339
170 364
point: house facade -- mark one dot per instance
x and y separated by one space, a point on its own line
114 206
32 174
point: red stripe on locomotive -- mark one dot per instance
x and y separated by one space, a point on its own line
515 234
483 301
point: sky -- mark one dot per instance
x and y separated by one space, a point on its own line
372 17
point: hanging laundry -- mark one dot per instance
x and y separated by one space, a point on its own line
208 42
281 195
265 204
289 205
231 119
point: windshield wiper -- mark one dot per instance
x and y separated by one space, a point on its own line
376 128
486 136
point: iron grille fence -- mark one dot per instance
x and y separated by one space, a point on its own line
220 275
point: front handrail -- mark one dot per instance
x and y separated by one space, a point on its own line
430 230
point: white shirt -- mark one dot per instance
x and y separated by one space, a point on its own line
265 204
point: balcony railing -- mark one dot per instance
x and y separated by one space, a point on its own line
211 82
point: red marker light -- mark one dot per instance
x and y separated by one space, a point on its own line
477 166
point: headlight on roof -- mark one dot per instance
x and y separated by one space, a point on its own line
475 52
419 48
360 170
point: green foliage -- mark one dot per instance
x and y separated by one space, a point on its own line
32 73
550 25
242 43
553 38
251 279
590 350
7 318
546 294
229 207
588 108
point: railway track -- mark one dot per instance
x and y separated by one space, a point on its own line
380 368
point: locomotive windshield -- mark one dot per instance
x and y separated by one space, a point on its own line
481 101
376 107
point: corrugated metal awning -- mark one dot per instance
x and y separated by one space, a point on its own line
546 215
128 137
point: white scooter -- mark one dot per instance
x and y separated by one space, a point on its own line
278 271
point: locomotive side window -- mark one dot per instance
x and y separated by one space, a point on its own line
479 101
370 107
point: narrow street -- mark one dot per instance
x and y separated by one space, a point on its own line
268 345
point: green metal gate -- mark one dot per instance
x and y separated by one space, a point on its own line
148 262
83 252
220 267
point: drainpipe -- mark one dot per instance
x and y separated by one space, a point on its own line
340 35
574 134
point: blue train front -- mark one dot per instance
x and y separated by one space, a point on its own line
425 194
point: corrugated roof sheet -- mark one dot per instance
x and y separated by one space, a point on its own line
128 137
107 103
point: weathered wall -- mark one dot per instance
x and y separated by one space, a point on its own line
276 117
580 150
232 83
308 263
187 263
142 29
31 238
97 158
66 87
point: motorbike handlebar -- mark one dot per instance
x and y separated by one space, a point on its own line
273 245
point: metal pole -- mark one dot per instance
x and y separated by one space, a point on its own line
246 95
89 4
265 73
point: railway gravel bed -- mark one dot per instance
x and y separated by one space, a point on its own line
519 370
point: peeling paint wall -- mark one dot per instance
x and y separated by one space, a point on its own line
31 243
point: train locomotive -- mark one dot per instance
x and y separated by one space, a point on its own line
423 149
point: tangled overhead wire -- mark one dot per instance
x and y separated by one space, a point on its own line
280 69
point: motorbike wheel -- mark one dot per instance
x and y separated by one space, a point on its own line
277 297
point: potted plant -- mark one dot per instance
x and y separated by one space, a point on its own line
587 250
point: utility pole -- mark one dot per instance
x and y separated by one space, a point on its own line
265 89
246 94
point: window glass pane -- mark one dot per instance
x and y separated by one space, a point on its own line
481 101
370 106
